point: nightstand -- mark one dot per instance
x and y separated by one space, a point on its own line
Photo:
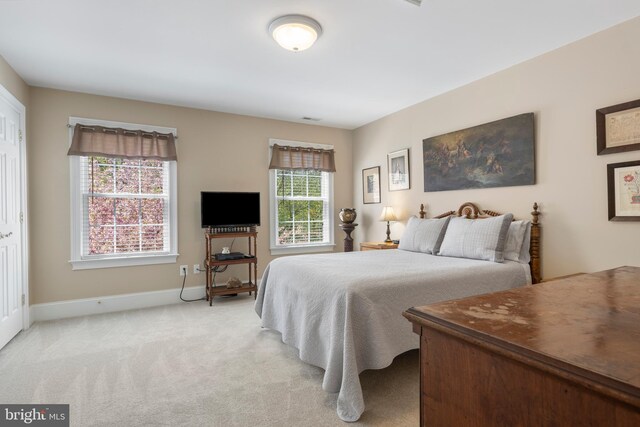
374 246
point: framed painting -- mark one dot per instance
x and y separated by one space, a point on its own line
371 185
623 183
496 154
398 164
618 128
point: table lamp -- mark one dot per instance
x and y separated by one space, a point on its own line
388 215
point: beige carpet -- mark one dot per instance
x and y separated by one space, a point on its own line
189 364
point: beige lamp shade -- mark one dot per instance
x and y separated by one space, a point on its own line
388 214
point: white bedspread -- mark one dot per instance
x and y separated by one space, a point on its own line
343 311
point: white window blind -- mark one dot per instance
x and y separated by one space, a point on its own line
125 207
302 199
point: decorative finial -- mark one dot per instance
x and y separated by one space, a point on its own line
535 213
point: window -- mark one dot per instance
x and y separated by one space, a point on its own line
123 210
127 210
301 206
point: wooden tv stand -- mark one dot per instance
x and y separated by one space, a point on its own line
560 353
211 263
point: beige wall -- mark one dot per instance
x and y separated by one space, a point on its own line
563 88
229 152
216 151
13 82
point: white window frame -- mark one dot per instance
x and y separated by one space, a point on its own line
77 261
298 248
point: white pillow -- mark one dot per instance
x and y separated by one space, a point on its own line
423 235
515 239
476 238
525 254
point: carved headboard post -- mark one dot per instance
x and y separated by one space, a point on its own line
469 210
422 212
535 246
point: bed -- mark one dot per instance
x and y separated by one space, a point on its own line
343 311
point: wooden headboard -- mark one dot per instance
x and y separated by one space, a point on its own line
472 211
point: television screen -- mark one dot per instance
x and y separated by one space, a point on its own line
221 209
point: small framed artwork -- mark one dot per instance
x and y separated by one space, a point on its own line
623 182
398 164
371 185
618 128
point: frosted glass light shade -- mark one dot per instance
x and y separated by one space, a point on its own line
295 32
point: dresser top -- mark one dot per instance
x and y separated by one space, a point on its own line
588 323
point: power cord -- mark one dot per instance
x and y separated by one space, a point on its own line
216 270
184 280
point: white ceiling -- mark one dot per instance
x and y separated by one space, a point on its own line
374 57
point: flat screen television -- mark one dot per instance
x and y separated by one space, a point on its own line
229 209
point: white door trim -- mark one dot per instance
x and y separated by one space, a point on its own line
24 229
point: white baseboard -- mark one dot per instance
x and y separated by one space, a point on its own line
87 306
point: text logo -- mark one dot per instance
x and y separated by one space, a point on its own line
34 415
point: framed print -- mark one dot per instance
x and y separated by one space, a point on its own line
371 185
618 128
398 164
623 182
495 154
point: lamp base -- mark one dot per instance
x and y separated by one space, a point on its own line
388 239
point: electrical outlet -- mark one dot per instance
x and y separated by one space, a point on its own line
196 268
184 270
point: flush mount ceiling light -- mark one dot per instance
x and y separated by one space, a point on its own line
295 32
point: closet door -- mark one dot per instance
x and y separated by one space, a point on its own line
12 272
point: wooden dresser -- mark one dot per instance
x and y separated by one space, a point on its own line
560 353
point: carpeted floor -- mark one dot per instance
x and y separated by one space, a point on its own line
192 365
